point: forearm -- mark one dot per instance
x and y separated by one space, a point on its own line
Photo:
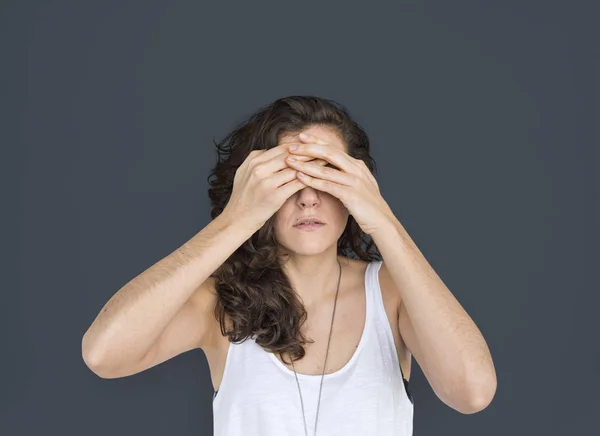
135 316
453 351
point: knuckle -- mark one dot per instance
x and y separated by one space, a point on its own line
256 171
265 183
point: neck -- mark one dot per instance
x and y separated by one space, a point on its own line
314 278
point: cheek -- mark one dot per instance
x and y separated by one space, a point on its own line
336 205
282 216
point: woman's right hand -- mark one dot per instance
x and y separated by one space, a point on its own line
262 183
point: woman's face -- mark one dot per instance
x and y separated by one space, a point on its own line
309 201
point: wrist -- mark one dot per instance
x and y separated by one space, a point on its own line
238 222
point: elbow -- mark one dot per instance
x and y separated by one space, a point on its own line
480 384
480 398
97 367
92 361
92 357
88 352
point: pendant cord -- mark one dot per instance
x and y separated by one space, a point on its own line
324 365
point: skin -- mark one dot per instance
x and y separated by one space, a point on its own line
312 259
437 330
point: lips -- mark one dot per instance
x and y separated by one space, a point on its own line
308 219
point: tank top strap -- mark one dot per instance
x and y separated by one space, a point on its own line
373 289
373 297
384 328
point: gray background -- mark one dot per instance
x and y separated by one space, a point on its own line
481 117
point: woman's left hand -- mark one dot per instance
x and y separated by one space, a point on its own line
353 184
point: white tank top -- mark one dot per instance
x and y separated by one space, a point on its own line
258 394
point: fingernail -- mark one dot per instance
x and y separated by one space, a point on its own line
303 136
293 147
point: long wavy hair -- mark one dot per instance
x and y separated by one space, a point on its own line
253 292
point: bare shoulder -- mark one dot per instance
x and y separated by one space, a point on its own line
206 303
216 345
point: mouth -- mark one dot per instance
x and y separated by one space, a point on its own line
309 223
309 226
308 220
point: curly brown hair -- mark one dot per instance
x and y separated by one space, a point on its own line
253 292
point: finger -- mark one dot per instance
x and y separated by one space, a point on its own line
328 186
302 158
280 150
284 146
331 154
284 176
305 137
288 189
264 155
323 172
278 163
273 159
309 159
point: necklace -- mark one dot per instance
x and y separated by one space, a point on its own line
326 353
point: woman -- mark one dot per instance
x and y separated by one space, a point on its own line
304 291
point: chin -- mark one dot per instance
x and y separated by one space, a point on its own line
306 245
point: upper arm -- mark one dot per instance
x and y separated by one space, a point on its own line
405 327
407 333
193 326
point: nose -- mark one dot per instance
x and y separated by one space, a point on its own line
308 197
